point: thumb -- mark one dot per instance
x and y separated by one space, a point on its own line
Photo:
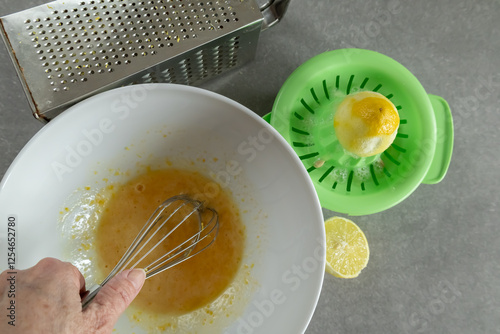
114 298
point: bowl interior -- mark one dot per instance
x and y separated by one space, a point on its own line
157 125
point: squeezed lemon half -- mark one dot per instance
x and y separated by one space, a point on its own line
347 251
366 123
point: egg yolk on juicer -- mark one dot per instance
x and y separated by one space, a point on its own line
366 123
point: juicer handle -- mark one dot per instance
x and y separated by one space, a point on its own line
444 140
267 117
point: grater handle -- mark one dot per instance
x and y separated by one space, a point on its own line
272 11
444 140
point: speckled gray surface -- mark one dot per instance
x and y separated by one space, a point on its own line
434 265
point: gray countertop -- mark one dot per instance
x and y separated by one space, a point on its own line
434 265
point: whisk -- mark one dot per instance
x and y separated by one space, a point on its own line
169 217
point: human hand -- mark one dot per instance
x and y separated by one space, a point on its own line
47 300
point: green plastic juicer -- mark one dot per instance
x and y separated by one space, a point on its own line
303 114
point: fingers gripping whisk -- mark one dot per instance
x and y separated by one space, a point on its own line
179 229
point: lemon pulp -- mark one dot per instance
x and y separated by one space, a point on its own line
347 250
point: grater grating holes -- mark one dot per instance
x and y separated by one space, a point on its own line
89 36
199 66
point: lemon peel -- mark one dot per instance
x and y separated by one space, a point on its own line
366 123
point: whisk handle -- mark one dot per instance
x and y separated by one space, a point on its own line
90 295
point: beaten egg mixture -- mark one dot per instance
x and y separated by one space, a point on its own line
193 283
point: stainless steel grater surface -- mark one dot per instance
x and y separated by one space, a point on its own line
66 51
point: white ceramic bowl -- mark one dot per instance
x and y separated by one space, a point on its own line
148 124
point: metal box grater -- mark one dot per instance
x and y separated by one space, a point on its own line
68 50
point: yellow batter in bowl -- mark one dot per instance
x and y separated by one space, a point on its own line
195 282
